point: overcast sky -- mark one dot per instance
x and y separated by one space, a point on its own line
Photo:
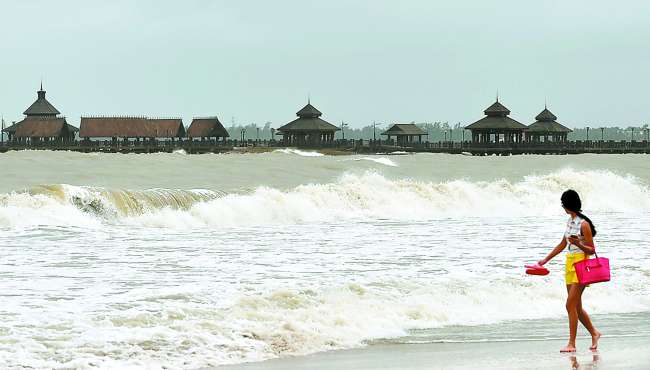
360 61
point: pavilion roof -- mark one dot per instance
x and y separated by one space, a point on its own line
41 107
546 123
134 127
496 123
546 115
167 127
308 124
309 111
308 120
207 127
496 109
43 127
404 129
496 118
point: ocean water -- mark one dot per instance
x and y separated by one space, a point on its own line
173 261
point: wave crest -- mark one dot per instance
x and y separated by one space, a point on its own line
299 152
88 206
369 196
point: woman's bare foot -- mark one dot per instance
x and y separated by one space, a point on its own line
594 341
568 348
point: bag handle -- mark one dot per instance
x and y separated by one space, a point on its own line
595 254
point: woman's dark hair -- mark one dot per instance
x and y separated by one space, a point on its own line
571 201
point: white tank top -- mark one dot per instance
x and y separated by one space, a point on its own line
573 228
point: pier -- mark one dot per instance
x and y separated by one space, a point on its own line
494 134
340 147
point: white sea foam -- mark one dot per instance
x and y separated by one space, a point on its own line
373 196
366 196
299 152
380 160
23 209
172 328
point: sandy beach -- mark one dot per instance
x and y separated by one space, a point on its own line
615 353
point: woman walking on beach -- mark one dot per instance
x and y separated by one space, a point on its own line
578 240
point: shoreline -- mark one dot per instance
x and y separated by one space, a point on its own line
615 353
213 150
334 151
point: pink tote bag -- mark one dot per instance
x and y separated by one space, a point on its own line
592 270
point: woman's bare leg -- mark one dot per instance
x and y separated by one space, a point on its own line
586 321
572 302
583 317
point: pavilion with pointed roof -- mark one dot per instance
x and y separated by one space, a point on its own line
308 129
41 124
41 107
546 128
496 126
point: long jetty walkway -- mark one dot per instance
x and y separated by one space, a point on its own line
342 147
573 147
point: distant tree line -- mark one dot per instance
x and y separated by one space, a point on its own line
636 133
251 131
441 131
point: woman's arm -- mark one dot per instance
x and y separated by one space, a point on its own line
587 242
554 252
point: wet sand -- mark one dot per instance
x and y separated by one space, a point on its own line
614 353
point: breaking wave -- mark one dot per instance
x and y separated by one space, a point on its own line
380 160
352 197
299 152
87 206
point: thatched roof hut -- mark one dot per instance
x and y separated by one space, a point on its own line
405 132
206 127
45 127
131 127
167 127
